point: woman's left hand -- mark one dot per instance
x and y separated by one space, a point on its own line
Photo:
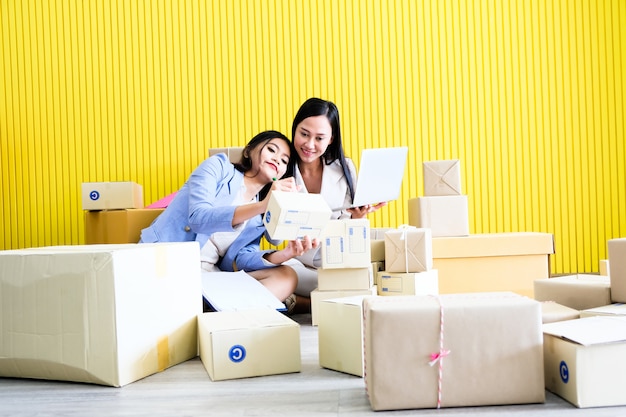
363 211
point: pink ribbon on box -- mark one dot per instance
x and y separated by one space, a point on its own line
437 357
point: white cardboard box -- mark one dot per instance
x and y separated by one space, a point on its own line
411 283
102 314
290 216
247 343
443 215
617 262
345 243
584 360
340 334
580 291
233 153
345 279
111 195
408 249
442 177
318 296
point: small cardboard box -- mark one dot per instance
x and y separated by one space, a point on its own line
345 279
442 177
291 216
340 334
617 262
111 195
377 250
604 267
584 360
117 226
247 343
492 262
318 296
234 153
101 314
487 351
345 243
443 215
411 283
611 310
408 249
580 292
552 312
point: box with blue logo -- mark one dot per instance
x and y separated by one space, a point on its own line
248 343
291 215
584 360
112 195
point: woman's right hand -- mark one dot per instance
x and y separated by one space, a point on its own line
285 184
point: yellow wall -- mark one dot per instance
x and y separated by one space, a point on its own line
529 95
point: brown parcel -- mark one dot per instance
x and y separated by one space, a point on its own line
494 342
580 292
408 249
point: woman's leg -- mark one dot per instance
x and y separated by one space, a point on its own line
281 280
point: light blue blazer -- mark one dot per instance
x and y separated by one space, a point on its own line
202 207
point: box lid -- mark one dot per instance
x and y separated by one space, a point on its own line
245 319
493 244
589 330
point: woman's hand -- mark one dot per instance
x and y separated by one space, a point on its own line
294 248
363 211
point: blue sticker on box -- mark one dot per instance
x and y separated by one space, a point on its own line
94 195
237 353
268 217
564 372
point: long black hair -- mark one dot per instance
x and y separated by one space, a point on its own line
262 139
318 107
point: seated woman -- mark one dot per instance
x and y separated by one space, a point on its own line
221 207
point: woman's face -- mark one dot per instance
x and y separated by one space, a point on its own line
273 159
313 135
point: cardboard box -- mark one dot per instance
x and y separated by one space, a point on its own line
101 314
345 279
247 343
442 177
378 233
318 296
443 215
492 262
291 216
408 249
111 195
117 226
579 292
340 335
489 351
346 244
377 250
611 310
552 312
604 267
234 153
584 361
411 283
617 261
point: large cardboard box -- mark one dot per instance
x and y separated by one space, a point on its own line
580 291
111 195
247 343
290 216
340 334
443 215
345 279
408 249
442 177
492 262
552 312
102 314
584 360
234 153
411 283
318 296
117 226
487 351
617 262
345 243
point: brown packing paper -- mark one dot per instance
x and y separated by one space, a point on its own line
494 342
442 177
408 249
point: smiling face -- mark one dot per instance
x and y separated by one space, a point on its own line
312 137
273 157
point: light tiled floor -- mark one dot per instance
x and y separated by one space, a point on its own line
186 390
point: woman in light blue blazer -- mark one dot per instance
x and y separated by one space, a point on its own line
320 166
221 207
